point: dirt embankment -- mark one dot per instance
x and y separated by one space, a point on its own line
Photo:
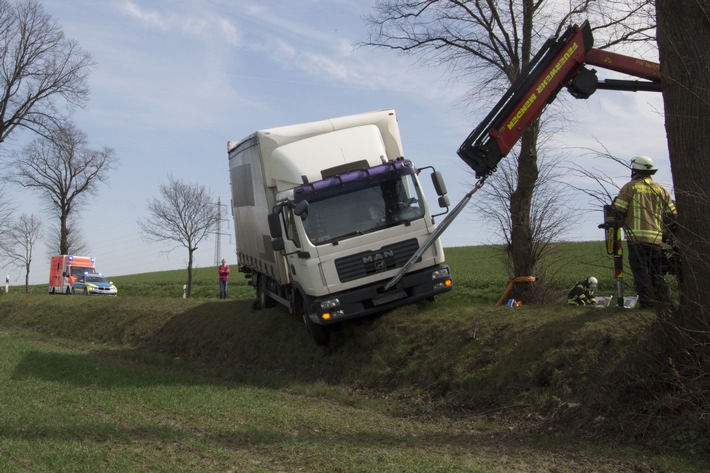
572 371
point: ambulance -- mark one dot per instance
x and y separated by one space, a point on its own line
65 269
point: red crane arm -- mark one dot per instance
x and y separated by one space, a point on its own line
559 63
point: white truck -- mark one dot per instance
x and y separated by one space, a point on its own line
327 213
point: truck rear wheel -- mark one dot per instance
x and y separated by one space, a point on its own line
320 333
262 298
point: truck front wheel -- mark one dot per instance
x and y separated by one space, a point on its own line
320 333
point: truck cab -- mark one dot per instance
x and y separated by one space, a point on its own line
326 214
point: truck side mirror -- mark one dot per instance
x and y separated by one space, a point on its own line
438 180
440 186
277 244
274 219
301 209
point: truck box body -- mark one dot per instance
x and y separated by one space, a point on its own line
65 269
351 211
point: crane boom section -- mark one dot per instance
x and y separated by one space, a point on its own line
559 63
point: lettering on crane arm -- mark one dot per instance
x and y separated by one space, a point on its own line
521 111
548 78
648 65
550 75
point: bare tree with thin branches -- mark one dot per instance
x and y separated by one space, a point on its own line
19 241
64 171
41 70
487 45
184 214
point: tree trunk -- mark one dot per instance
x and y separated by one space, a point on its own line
684 40
63 234
521 234
189 271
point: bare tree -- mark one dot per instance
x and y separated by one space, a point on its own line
184 214
595 183
487 44
6 211
73 237
546 217
65 172
19 241
40 69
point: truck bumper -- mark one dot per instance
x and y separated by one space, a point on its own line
373 298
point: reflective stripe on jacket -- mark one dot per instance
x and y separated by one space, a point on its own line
644 204
580 295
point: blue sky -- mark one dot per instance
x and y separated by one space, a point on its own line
175 80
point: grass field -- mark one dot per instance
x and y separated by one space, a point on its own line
479 272
148 381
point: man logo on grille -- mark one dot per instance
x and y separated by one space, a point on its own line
378 258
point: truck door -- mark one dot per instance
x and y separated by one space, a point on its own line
299 260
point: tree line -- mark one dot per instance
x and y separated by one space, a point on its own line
44 78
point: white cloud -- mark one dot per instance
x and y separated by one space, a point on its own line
196 21
150 19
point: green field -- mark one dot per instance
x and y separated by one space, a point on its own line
148 381
479 272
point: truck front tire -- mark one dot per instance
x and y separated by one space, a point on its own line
320 333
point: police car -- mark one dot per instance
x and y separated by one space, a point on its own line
93 284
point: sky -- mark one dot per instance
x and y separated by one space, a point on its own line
174 81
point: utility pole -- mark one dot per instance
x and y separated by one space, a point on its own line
218 233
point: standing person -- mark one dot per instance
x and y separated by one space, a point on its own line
644 205
223 271
583 292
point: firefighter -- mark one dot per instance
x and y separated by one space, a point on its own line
643 205
583 292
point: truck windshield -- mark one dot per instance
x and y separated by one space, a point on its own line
364 208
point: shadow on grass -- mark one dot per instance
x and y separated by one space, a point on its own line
106 369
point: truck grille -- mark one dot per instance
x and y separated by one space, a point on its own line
370 262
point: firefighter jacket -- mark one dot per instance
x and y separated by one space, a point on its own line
581 295
644 206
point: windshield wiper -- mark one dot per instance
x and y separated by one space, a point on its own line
345 236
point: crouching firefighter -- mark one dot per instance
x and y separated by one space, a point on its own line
583 292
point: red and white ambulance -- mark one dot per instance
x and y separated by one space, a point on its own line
65 269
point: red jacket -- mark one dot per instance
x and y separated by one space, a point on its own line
223 272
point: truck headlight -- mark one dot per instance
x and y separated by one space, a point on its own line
329 304
440 273
443 284
332 315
